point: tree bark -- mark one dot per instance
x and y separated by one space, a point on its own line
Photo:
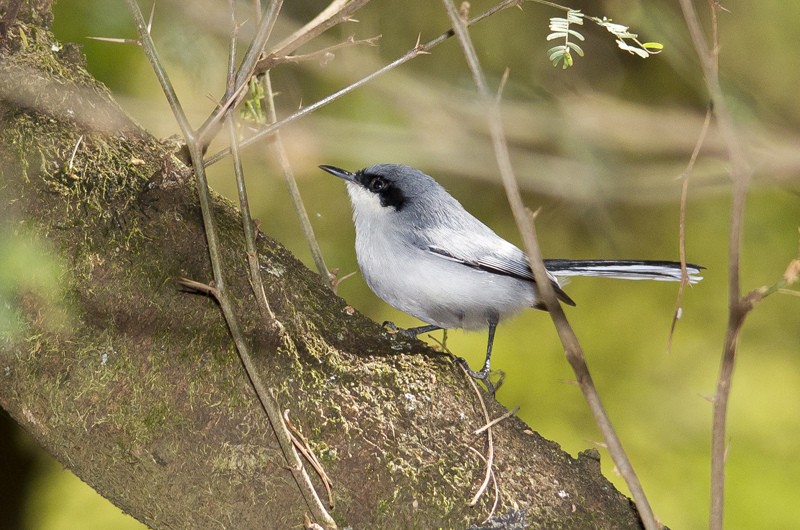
133 383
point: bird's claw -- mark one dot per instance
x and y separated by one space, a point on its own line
481 375
391 327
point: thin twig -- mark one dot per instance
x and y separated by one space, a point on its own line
136 42
302 445
256 282
199 287
489 441
267 400
270 129
235 92
337 12
231 77
294 191
498 420
418 49
676 315
551 4
525 224
577 360
328 51
336 280
253 64
265 25
738 307
72 156
494 486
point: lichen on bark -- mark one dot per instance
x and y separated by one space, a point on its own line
136 386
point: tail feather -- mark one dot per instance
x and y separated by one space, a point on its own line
623 269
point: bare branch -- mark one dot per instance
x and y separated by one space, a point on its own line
324 54
498 420
741 174
676 315
489 442
337 12
302 445
268 401
570 342
418 49
294 191
235 91
494 485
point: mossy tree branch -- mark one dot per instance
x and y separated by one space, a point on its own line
133 383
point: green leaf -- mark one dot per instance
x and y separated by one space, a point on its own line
567 60
575 34
654 47
556 54
575 47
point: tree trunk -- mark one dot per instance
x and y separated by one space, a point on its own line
133 383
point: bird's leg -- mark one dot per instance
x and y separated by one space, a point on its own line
483 374
410 333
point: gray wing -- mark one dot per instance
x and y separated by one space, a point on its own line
512 264
505 260
450 232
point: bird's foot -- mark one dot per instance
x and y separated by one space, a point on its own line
483 375
392 329
410 333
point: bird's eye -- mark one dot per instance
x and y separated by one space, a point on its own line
377 184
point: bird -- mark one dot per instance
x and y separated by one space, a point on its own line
423 253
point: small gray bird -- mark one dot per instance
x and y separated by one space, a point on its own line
421 252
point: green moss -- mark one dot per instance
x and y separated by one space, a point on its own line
149 372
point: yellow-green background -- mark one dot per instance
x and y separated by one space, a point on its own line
599 148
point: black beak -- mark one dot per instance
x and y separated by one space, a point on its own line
341 173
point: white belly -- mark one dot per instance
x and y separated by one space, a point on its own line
436 290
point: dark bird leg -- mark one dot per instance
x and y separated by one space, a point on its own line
483 373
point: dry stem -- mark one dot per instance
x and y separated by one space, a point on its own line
570 342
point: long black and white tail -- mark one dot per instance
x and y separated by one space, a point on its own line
623 269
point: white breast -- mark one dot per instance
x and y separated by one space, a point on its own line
432 288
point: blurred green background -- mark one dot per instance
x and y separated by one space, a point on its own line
598 147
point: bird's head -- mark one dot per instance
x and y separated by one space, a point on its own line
386 187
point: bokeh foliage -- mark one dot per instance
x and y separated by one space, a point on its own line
599 147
